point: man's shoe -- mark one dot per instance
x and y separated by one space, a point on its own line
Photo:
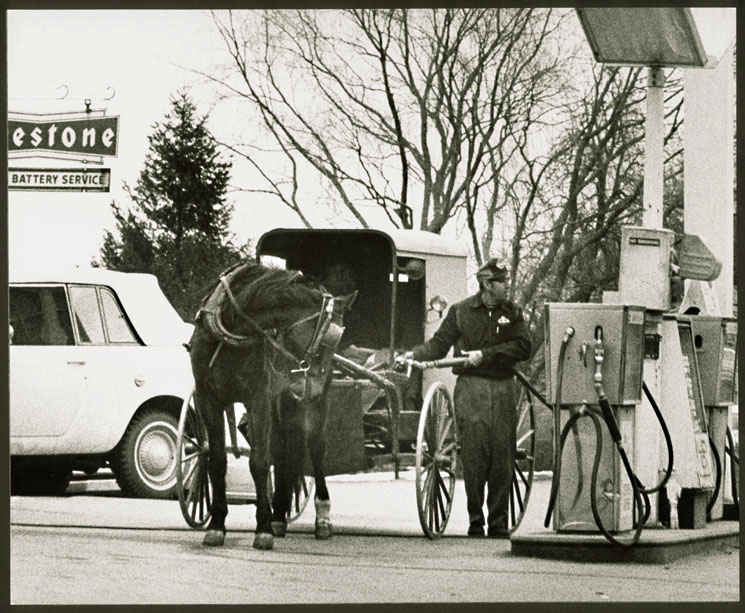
476 531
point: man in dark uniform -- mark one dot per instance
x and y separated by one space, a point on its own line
490 330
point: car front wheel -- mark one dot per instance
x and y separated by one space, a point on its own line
144 462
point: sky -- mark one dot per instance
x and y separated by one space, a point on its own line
128 63
142 57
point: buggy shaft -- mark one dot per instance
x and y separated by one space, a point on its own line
350 366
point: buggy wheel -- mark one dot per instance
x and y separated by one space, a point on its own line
436 459
193 484
522 479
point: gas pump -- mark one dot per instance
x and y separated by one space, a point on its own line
715 342
682 405
632 366
652 260
600 344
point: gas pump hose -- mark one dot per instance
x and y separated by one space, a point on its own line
717 483
668 441
638 502
735 459
568 334
610 422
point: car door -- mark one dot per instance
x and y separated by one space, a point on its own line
108 347
119 369
48 372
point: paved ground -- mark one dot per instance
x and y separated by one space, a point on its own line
101 548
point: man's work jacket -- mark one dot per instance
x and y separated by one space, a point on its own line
499 332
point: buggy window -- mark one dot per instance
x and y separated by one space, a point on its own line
87 315
39 316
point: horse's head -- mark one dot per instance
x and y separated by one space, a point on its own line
315 337
301 323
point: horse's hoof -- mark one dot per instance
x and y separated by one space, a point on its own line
279 528
323 531
262 540
214 538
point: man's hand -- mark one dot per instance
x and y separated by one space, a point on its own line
474 357
402 358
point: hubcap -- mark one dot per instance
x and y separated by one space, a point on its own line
156 455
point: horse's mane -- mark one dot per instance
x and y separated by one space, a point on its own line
259 288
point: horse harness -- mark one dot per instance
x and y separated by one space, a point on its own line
326 333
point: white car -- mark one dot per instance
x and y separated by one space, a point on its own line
98 375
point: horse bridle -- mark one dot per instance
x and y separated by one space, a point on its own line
327 333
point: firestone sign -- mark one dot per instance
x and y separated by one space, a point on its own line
73 136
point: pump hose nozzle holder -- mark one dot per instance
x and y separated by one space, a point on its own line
608 416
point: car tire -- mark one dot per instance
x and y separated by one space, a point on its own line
144 461
39 480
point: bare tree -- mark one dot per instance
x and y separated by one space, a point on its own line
393 111
479 117
570 204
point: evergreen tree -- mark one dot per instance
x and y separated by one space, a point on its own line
182 188
177 225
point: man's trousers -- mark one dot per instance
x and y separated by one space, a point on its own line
486 415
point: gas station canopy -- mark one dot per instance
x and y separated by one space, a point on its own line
661 37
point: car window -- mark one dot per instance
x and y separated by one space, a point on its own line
39 316
117 326
87 315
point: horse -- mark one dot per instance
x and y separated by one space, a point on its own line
266 337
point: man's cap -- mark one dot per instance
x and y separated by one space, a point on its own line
492 271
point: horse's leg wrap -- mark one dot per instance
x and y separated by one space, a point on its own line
279 528
262 540
214 538
323 519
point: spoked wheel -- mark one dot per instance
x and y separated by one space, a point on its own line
193 484
522 480
436 459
